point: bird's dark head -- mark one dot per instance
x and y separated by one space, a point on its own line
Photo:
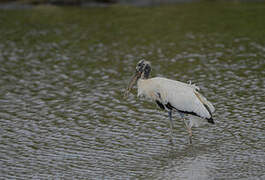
143 69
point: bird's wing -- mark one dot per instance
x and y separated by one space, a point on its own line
183 97
206 102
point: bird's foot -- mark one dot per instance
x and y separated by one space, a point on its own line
171 141
190 140
190 135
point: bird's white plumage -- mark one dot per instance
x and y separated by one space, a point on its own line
182 96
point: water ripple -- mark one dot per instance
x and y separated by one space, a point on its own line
65 117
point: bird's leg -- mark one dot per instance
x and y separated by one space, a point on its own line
187 126
171 125
190 133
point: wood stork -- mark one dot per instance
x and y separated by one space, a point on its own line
171 95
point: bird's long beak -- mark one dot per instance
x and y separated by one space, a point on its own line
133 80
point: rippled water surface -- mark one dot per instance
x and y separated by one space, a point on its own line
63 72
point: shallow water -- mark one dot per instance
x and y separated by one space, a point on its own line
62 110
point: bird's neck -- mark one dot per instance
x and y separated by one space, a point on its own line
145 75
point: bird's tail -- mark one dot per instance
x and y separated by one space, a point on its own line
205 102
208 106
210 120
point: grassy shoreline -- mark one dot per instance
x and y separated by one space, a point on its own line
222 22
57 2
111 2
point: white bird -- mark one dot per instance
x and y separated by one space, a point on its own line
171 95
